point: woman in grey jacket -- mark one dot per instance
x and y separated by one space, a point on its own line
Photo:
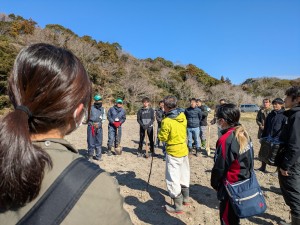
50 91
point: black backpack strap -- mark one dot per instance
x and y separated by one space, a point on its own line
62 195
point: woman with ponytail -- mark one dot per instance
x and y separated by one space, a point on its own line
232 161
50 92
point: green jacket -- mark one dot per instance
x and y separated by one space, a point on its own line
173 132
101 203
261 119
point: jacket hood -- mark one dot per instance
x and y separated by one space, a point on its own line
176 114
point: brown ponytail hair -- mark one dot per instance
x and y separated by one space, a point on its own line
51 82
242 137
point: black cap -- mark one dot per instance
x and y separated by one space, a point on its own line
278 100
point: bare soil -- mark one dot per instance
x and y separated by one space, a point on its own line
147 207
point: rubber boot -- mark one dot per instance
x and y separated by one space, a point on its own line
185 191
295 220
203 144
109 153
197 151
177 208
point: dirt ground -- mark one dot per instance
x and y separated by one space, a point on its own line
148 207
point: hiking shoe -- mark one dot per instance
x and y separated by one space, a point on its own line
109 153
97 158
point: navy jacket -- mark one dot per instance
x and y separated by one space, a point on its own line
115 112
273 125
193 116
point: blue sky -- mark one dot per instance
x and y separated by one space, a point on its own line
238 39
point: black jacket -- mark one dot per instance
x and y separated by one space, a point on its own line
274 123
193 116
145 117
204 111
159 114
229 162
290 136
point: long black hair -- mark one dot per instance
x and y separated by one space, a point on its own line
51 83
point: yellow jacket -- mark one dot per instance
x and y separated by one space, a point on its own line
173 132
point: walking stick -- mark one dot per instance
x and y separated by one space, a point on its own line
207 143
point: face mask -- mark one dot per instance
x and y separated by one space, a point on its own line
98 104
81 120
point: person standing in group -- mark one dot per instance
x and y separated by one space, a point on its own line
116 116
289 167
50 91
262 116
193 115
159 115
232 161
173 132
145 118
94 129
214 120
203 123
273 126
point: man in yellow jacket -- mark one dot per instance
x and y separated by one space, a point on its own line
173 132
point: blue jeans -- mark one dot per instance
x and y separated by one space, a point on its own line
193 134
113 139
94 142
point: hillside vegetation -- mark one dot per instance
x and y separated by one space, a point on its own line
115 73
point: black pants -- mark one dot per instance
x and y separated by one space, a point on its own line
142 137
290 188
227 215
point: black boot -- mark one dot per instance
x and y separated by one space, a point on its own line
177 208
186 194
190 150
263 167
197 151
140 152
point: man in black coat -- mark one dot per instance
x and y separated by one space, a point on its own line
289 172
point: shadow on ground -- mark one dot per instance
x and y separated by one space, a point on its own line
150 211
204 195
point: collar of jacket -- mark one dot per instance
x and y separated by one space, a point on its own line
292 111
55 142
226 130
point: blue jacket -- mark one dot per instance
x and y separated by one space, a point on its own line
193 116
97 115
115 112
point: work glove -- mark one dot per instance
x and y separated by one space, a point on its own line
117 124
